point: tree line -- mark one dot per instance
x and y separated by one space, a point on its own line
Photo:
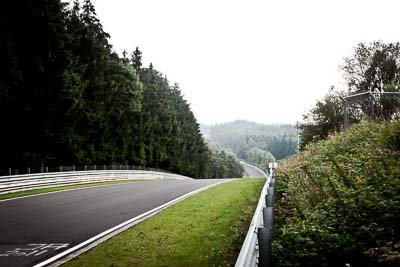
66 97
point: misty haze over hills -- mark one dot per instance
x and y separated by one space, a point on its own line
249 127
255 142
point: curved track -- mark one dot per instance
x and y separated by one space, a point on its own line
252 171
36 228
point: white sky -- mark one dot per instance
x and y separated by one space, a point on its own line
262 60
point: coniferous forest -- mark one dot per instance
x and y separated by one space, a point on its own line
66 97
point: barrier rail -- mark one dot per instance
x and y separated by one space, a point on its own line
22 182
69 168
256 248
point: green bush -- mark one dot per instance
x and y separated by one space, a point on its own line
340 201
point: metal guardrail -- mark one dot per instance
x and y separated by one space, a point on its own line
69 168
256 248
22 182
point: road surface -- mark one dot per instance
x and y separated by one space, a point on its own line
36 228
253 171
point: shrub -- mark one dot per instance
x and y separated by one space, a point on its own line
341 201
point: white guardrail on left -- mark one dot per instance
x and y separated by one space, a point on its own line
256 248
15 183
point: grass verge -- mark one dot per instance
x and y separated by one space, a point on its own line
61 188
207 229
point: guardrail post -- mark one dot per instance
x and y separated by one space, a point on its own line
85 167
268 217
271 193
264 234
264 243
61 168
9 171
105 167
29 170
95 167
73 168
269 201
272 183
47 169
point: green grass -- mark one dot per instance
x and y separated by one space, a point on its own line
61 188
207 229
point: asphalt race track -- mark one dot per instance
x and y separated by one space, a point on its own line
36 228
252 171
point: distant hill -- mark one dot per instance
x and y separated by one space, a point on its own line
242 136
244 128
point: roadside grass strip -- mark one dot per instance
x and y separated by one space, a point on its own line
207 229
61 188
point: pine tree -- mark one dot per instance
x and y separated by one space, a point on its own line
136 59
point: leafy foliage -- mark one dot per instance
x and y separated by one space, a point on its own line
372 68
340 201
225 164
260 157
375 67
325 119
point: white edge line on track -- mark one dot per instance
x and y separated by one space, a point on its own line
115 228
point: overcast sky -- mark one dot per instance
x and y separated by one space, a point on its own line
261 60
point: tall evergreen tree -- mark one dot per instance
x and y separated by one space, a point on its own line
34 58
136 59
73 100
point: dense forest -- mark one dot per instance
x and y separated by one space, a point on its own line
254 142
66 97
